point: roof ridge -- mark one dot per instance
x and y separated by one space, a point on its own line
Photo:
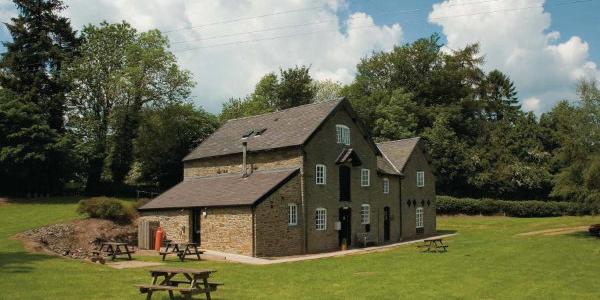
406 139
287 109
234 174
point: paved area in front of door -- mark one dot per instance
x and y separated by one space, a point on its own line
216 255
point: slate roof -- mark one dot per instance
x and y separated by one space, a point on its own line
396 153
285 128
222 190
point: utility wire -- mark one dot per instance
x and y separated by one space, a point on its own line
362 27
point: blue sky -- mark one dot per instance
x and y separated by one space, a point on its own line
545 46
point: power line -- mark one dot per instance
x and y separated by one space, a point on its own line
323 21
332 30
245 18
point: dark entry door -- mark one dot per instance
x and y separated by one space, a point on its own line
386 223
195 226
346 221
344 183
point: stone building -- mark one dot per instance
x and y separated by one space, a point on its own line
301 180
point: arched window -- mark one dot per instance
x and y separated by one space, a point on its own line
342 134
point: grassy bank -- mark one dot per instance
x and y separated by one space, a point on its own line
487 259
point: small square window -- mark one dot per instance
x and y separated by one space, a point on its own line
420 179
292 214
365 177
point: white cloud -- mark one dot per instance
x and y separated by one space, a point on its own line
231 71
544 69
531 104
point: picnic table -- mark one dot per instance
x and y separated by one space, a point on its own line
434 245
176 248
112 249
190 282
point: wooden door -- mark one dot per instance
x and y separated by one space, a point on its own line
386 223
344 172
345 232
195 226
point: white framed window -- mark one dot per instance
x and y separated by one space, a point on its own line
321 174
292 214
386 186
321 219
419 217
365 177
342 134
420 179
365 214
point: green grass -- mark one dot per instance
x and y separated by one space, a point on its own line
485 260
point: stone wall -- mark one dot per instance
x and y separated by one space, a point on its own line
323 149
175 223
274 237
418 196
264 160
227 229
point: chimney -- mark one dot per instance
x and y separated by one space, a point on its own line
244 150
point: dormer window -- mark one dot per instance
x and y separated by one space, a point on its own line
342 134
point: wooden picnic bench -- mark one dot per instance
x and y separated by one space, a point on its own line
175 248
434 245
193 282
112 249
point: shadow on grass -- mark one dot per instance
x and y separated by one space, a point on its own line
20 262
583 235
446 231
45 201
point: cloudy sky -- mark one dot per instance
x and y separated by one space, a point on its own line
545 46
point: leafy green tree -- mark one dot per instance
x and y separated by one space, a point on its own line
293 87
396 117
165 137
31 71
326 90
118 73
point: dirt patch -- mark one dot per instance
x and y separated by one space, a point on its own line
555 231
78 238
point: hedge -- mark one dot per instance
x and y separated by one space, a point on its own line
524 209
107 208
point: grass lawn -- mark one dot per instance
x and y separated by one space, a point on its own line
486 260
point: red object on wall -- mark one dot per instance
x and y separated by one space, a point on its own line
158 238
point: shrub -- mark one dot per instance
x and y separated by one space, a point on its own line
523 209
106 208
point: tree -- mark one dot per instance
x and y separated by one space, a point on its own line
119 72
293 87
166 136
396 117
326 90
31 71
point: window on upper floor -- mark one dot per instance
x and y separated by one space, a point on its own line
420 179
321 219
365 214
342 134
365 177
419 217
292 214
386 186
320 174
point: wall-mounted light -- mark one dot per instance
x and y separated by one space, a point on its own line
205 212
